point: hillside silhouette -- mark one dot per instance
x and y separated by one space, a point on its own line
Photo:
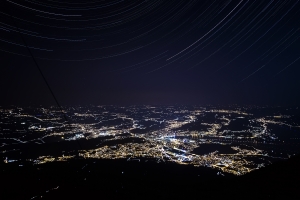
142 178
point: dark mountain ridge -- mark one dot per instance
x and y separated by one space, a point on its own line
144 178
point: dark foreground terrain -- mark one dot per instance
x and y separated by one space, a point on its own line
141 179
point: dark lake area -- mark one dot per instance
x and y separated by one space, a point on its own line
208 148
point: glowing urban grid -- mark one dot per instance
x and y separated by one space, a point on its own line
243 140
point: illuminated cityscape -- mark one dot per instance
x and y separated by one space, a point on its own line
234 140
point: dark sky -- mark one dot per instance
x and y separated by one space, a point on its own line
150 52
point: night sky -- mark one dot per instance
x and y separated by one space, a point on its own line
150 52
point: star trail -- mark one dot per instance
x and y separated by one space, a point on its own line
150 52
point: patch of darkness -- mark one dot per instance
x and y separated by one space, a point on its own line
123 141
148 123
147 130
242 146
33 150
256 159
108 179
239 124
194 126
283 149
54 138
121 179
208 148
284 132
124 134
237 134
209 118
